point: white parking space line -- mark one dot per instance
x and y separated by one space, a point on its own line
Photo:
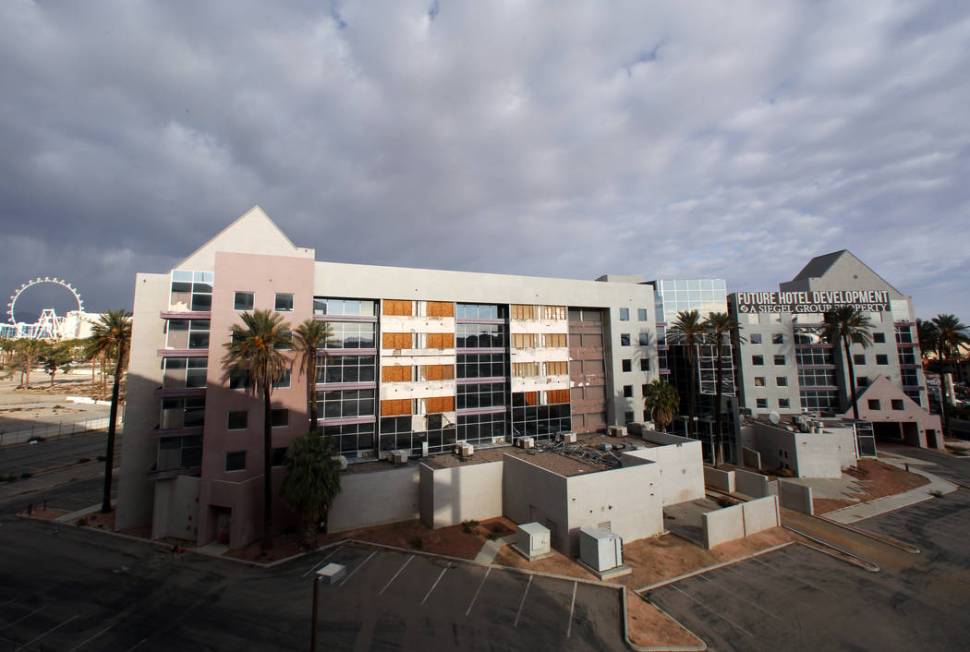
480 585
322 562
88 640
442 574
522 603
137 645
359 566
713 611
4 604
24 617
52 629
572 608
399 571
735 596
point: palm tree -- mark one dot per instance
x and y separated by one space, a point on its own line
688 331
308 339
846 326
25 356
951 335
719 325
662 400
254 349
312 482
929 339
111 334
6 351
57 357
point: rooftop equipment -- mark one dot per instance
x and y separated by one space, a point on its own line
532 540
600 549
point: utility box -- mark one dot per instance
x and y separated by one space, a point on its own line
399 457
569 437
533 541
332 573
600 549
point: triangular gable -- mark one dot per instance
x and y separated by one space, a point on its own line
253 232
840 270
884 389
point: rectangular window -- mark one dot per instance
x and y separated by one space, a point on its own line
554 313
352 335
481 365
279 456
236 461
279 417
524 340
238 379
554 340
780 360
641 314
191 291
759 381
644 364
761 403
627 365
758 360
437 372
284 302
244 301
862 381
624 314
859 358
882 359
284 380
345 368
557 368
784 403
781 381
644 339
439 341
879 338
525 369
778 338
628 418
344 403
179 373
397 374
397 340
897 404
480 336
238 420
398 307
440 309
344 307
624 339
523 312
755 338
476 395
395 407
628 391
557 396
439 404
874 404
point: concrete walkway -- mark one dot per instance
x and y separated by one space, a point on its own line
488 552
879 506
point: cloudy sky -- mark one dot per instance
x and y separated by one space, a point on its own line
561 138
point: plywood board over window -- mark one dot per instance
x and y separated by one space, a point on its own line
556 396
437 372
524 340
398 307
557 368
397 340
440 341
441 309
554 340
439 404
396 373
395 407
520 311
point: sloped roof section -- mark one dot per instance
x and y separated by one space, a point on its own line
817 266
840 270
253 232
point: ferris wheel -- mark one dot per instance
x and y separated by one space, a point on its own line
47 313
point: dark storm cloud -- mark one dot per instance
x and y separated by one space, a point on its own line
568 139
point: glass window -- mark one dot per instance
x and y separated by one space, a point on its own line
628 418
346 369
238 378
279 417
897 404
779 360
882 359
481 365
351 335
238 420
759 381
874 404
244 300
236 461
879 338
338 404
778 338
628 391
784 403
624 314
644 364
627 365
644 338
181 373
624 339
284 302
279 456
479 395
641 314
862 381
755 338
483 336
762 402
758 360
859 358
284 381
344 307
781 381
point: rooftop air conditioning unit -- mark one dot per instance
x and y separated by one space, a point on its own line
466 450
569 437
526 442
617 431
399 457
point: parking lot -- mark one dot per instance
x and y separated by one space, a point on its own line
800 599
395 600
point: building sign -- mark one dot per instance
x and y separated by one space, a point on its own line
812 302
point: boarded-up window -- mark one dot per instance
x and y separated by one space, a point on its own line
520 311
554 340
397 340
554 312
397 373
439 404
437 372
524 369
531 398
556 396
440 341
395 407
441 309
397 307
557 368
524 340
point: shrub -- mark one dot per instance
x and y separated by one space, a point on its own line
469 526
492 536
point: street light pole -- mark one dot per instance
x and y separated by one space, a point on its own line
313 618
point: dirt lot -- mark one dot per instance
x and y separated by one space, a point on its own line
648 626
875 479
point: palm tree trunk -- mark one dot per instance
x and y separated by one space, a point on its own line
944 410
691 398
851 367
109 456
718 434
267 472
311 389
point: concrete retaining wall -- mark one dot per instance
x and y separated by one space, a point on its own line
751 458
761 514
533 494
751 484
450 496
681 466
795 496
739 521
375 498
720 480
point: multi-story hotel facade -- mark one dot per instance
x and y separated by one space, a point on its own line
418 361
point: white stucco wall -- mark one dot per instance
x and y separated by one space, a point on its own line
375 498
461 493
531 493
176 505
681 467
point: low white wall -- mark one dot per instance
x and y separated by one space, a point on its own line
533 494
681 466
718 479
176 508
751 457
760 514
461 493
375 498
723 525
795 496
751 484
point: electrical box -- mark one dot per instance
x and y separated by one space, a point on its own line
399 457
569 437
466 450
526 442
600 549
533 540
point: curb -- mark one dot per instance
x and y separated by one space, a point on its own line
660 648
699 571
876 536
855 560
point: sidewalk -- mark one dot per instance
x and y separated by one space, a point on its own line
879 506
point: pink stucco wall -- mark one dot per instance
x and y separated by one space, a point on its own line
241 491
885 392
